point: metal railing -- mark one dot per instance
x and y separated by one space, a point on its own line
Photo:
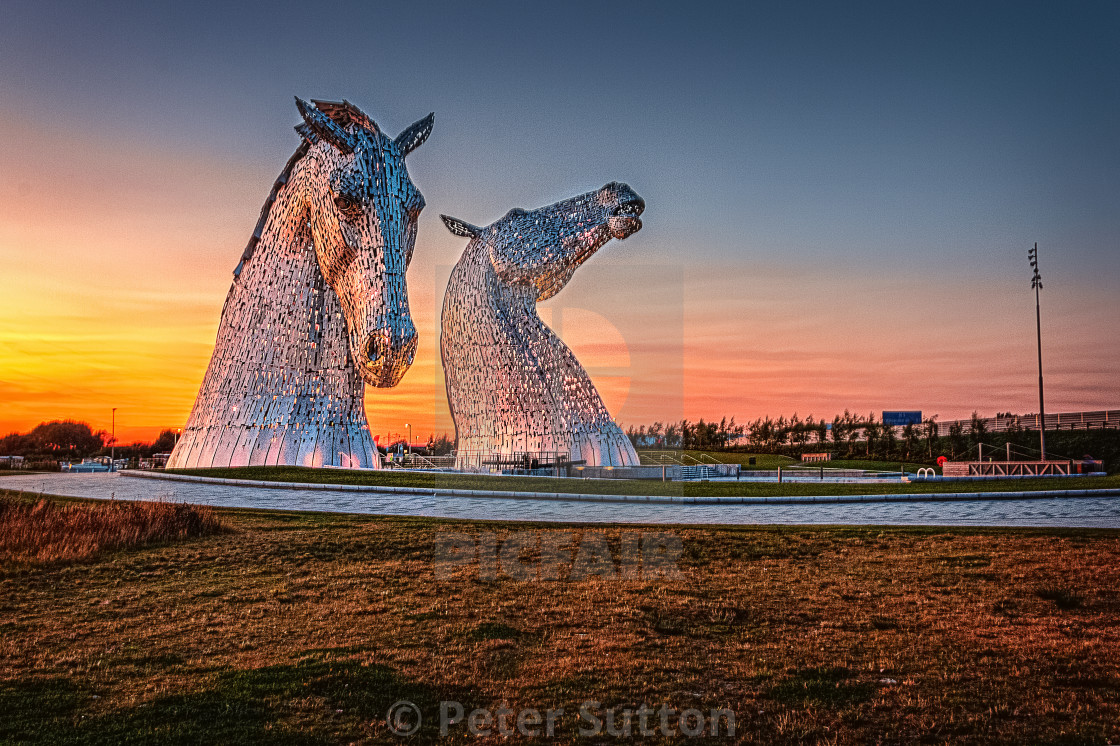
419 461
678 458
536 463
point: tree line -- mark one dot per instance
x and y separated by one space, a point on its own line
70 440
846 435
686 434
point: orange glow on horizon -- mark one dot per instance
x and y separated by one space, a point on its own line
113 282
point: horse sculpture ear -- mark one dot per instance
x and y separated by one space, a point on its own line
324 127
460 228
415 135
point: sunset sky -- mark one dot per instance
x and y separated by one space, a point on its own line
840 197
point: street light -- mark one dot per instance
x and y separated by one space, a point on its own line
409 444
113 443
1036 283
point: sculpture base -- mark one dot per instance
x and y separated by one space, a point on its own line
237 445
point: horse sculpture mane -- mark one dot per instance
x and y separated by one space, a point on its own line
514 388
318 306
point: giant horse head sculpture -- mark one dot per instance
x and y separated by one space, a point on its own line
514 388
318 307
362 211
544 247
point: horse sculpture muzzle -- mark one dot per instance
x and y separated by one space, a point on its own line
388 352
626 206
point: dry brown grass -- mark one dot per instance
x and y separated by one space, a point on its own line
305 628
49 531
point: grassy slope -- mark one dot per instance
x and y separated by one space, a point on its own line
630 486
302 628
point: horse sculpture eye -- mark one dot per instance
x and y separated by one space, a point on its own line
347 206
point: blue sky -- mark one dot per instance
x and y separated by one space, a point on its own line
799 160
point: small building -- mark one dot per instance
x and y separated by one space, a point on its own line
814 457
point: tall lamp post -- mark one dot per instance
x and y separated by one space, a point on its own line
409 444
113 443
1036 283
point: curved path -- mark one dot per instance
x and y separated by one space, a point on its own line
1096 511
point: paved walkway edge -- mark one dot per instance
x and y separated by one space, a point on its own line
680 499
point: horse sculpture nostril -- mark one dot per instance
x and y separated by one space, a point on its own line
375 349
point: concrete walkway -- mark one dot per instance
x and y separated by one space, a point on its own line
672 499
1089 511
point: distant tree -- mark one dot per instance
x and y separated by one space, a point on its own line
761 432
699 434
931 434
15 444
66 437
164 443
871 432
839 432
796 431
910 438
956 439
686 434
672 436
978 429
853 426
780 433
440 446
887 439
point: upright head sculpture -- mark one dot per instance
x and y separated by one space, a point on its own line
513 386
362 209
319 304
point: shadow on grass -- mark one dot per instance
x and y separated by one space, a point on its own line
286 704
825 687
493 631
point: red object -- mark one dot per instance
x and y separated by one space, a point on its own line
941 460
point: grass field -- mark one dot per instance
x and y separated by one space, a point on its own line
305 628
632 486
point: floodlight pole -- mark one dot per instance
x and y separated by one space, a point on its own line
408 445
1036 283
